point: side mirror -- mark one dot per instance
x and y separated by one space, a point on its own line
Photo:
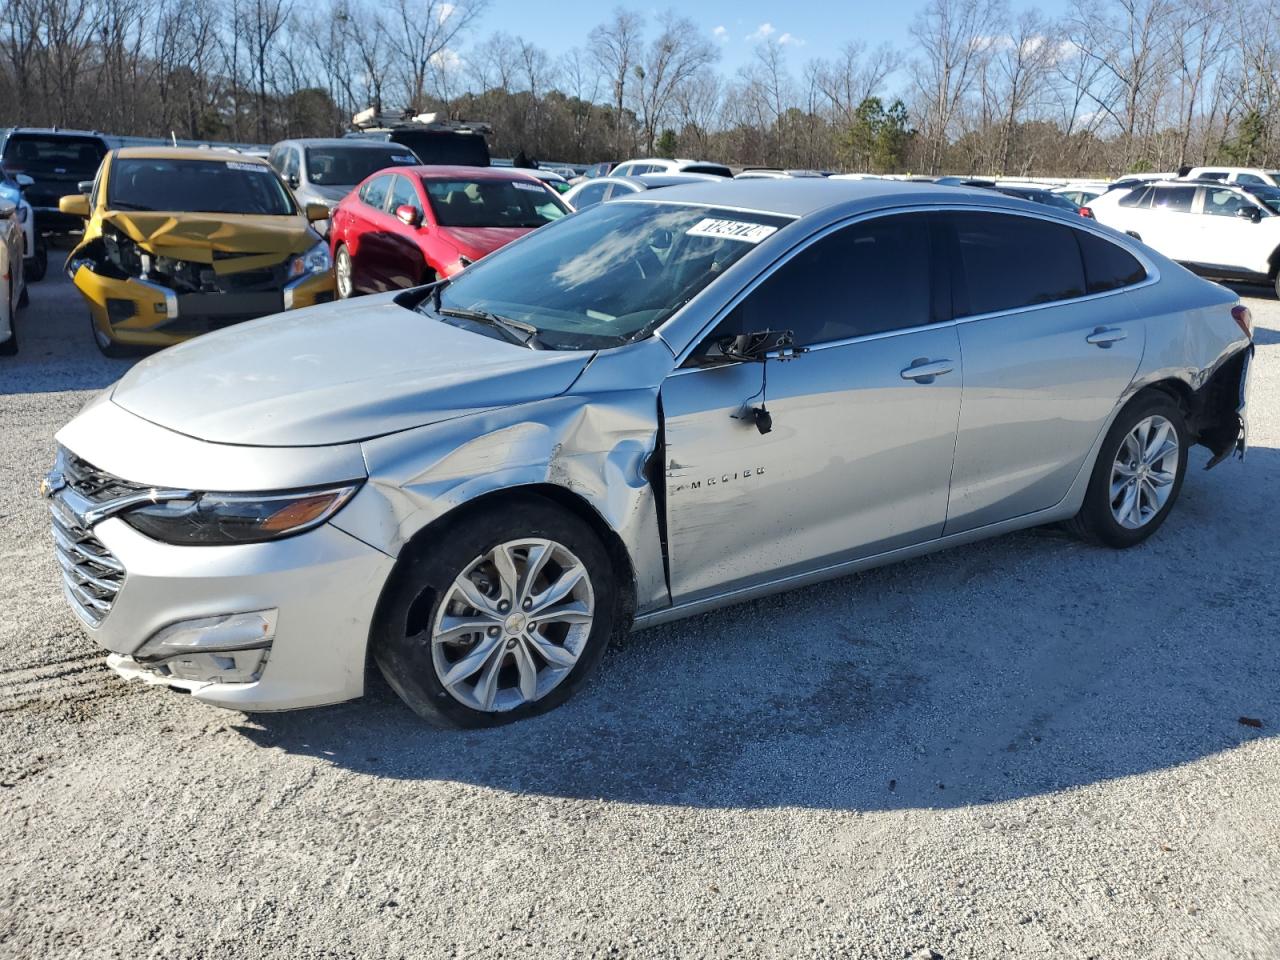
23 180
85 187
760 346
75 205
317 211
1252 214
408 215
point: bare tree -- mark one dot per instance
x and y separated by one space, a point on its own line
670 62
616 46
422 31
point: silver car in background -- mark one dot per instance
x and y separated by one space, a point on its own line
324 170
650 409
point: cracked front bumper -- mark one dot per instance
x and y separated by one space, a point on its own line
142 313
321 588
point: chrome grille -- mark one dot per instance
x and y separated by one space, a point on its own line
91 574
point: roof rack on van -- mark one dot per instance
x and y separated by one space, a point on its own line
371 119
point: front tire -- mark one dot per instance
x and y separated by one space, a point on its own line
1138 474
106 346
343 275
501 616
39 261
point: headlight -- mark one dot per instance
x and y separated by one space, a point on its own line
224 518
315 260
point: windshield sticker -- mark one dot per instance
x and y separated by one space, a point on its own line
731 230
535 187
251 167
401 158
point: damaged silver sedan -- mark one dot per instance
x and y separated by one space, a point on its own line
650 409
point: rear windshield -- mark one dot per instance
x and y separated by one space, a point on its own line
346 166
197 186
77 157
493 203
712 168
442 148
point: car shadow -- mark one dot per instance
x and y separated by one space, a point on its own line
1020 666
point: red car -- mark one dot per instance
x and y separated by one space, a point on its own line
406 226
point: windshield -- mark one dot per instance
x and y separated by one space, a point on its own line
75 157
344 166
196 186
610 274
493 203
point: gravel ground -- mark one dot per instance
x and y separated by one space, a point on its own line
1025 748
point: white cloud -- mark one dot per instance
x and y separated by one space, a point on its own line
447 61
790 40
445 11
762 32
721 33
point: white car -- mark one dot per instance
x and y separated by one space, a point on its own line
635 168
1229 232
1241 175
13 284
1082 193
36 261
600 189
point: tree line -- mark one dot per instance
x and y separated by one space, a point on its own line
1109 86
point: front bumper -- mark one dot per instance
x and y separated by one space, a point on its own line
142 313
321 588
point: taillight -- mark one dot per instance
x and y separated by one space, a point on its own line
1086 212
1243 318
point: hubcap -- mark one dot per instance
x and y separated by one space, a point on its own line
513 625
1145 468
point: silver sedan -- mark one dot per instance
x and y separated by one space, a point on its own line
653 408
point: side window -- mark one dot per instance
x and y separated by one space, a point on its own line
273 158
1224 203
403 195
374 193
625 170
1107 266
1010 261
590 195
1174 199
1248 178
870 277
1138 197
290 165
620 190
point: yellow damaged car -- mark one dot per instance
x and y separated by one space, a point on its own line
182 241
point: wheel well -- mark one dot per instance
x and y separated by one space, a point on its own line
1176 389
566 500
1274 262
1211 410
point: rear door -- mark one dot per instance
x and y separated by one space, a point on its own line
1049 345
1231 241
858 456
1174 228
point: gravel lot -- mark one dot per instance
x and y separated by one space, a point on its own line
1026 748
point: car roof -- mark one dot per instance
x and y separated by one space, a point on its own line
356 142
803 196
187 153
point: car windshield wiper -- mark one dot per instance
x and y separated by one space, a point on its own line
525 334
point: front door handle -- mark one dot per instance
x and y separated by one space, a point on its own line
924 370
1104 337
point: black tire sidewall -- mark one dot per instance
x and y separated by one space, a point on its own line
407 664
1097 506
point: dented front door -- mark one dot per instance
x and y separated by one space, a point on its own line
857 462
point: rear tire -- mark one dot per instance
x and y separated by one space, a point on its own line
39 261
530 648
24 297
1138 475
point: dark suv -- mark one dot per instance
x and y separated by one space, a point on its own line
435 142
56 161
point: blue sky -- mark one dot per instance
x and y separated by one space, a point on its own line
808 28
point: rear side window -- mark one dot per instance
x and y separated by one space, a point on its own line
592 193
1174 199
1248 178
374 193
1011 262
870 277
1107 266
621 190
1138 197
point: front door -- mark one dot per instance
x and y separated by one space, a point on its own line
859 451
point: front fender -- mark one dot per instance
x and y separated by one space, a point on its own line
594 447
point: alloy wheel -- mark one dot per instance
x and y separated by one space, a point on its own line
1144 471
342 273
512 625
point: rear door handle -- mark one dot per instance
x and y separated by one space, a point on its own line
1104 337
924 370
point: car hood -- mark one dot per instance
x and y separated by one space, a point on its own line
476 242
199 236
335 374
